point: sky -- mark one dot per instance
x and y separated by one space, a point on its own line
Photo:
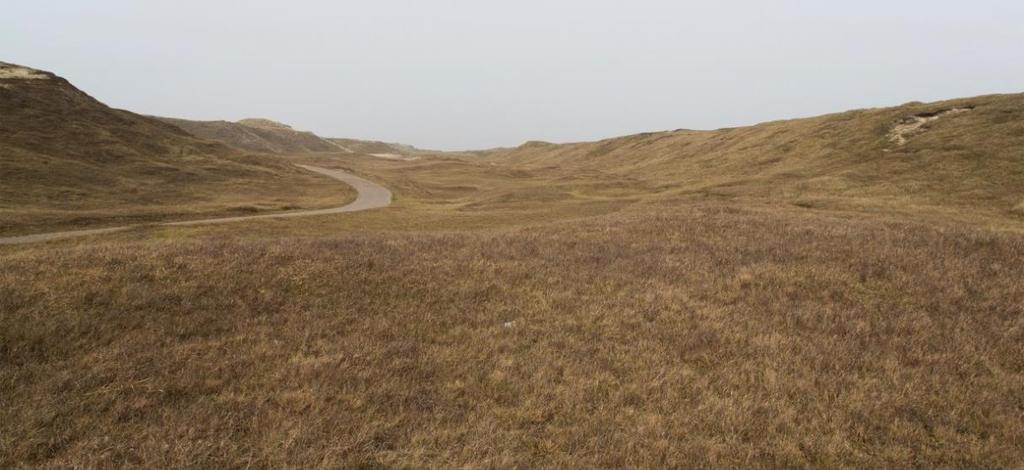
470 74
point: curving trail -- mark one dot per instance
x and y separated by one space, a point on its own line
370 196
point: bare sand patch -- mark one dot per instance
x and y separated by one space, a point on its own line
17 72
910 126
394 156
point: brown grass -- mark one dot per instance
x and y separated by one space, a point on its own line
708 335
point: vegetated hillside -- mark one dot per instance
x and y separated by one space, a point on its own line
69 160
267 136
256 135
959 154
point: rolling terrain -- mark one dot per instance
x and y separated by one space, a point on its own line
70 161
837 291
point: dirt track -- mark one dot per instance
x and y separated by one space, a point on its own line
370 196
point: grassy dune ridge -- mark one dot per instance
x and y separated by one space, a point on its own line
969 161
69 161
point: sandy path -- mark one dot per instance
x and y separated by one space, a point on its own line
370 196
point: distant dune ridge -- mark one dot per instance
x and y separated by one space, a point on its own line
379 149
268 136
256 135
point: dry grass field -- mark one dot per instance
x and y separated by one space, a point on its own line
840 291
665 336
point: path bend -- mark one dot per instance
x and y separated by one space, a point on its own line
370 195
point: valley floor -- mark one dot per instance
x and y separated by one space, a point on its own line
496 317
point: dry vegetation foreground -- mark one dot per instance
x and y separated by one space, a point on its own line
711 334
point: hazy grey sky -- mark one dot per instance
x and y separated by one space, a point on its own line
480 73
